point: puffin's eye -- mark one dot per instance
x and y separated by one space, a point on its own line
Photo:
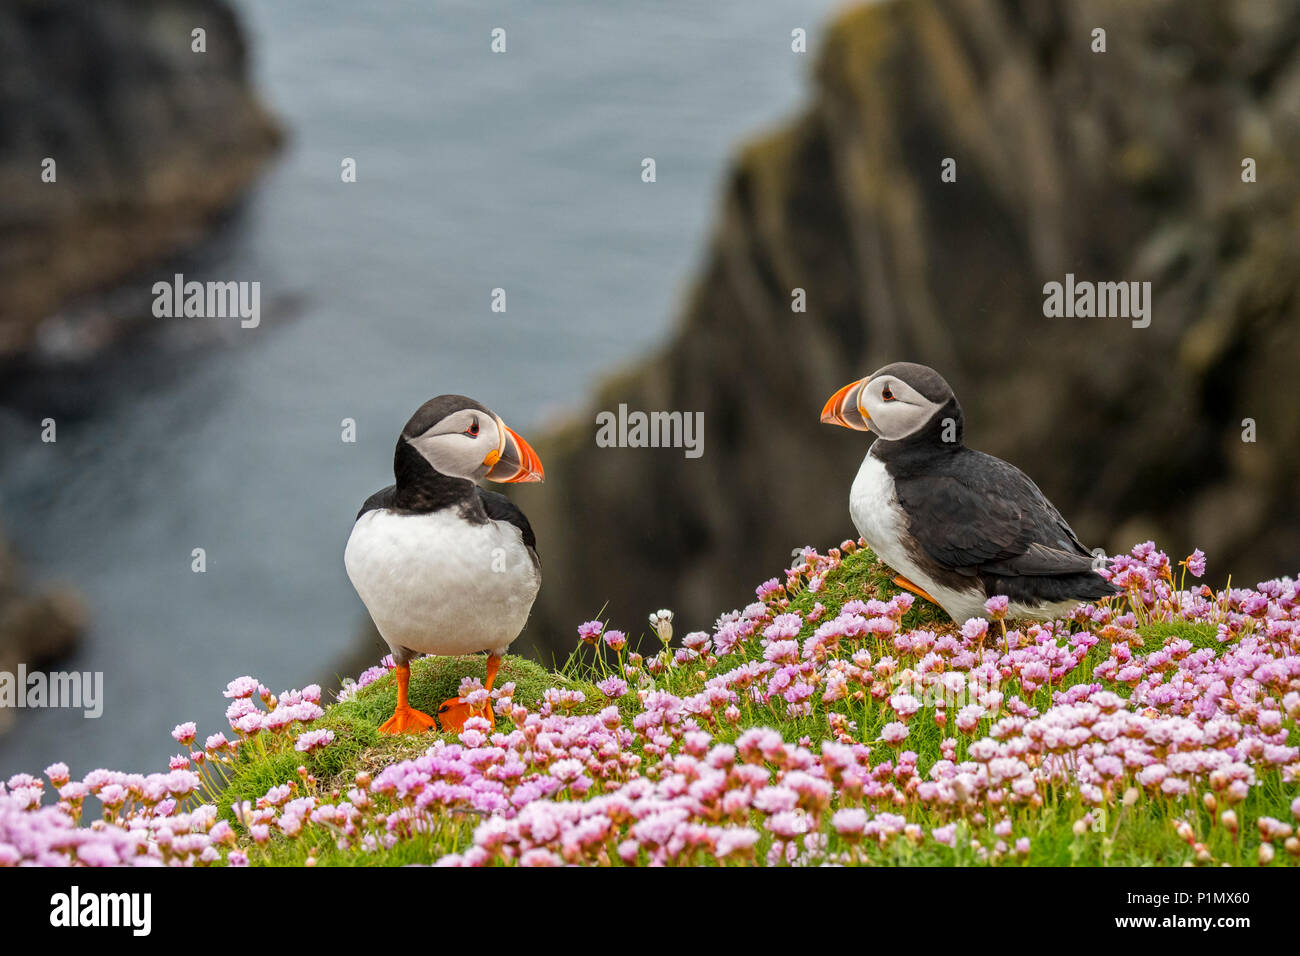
472 431
887 394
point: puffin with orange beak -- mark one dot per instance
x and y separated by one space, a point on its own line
959 525
444 566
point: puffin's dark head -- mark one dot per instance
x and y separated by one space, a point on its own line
898 401
463 439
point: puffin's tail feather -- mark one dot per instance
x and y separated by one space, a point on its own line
1031 590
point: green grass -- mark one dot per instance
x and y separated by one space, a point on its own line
1162 632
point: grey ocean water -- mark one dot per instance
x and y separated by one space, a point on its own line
475 171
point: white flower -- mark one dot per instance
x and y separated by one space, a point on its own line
662 622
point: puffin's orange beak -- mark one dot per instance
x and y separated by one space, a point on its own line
515 460
842 408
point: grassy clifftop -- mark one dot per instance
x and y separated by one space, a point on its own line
834 720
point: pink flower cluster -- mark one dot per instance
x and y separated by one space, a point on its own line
144 822
1016 722
159 818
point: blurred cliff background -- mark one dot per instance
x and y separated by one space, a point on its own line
775 171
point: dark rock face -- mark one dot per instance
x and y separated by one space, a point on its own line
151 140
1116 166
37 627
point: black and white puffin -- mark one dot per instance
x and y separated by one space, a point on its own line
959 525
442 565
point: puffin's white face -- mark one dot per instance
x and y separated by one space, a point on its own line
476 444
884 404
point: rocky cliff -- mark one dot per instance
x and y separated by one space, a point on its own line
1123 165
150 141
37 626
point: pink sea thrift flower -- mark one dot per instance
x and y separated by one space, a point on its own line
697 641
894 733
996 606
613 687
850 822
184 733
242 687
735 842
311 740
905 705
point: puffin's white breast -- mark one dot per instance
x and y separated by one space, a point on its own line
874 508
438 584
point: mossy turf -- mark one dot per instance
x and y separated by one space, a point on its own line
860 577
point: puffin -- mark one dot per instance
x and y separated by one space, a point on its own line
958 525
442 565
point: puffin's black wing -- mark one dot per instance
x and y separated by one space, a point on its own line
501 508
974 514
379 500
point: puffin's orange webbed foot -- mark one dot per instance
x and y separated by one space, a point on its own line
902 582
407 720
454 712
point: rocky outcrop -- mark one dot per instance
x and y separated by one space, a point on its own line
150 142
1117 166
37 626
